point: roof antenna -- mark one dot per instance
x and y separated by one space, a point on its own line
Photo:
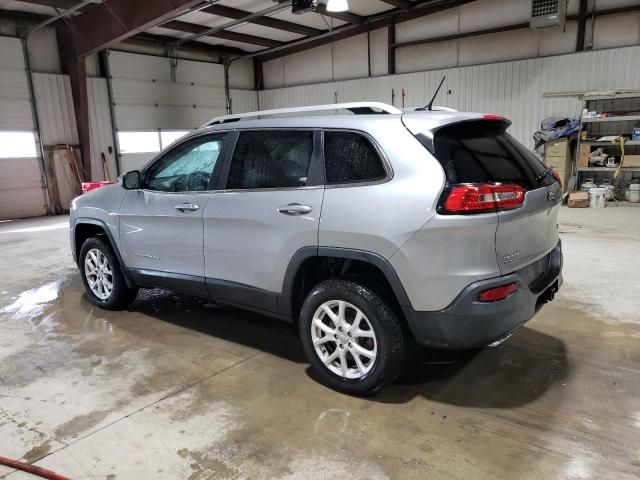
429 106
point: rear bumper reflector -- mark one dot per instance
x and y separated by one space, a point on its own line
498 293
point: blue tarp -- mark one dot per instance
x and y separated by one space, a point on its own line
553 128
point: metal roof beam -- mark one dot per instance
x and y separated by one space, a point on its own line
401 4
373 22
204 47
186 27
234 13
103 25
278 7
60 4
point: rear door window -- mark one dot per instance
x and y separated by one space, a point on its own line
482 152
271 159
350 158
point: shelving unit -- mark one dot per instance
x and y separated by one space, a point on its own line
629 143
619 118
624 113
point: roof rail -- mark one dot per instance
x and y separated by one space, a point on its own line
358 108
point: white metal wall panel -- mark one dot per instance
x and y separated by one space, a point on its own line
15 103
168 117
243 101
21 190
11 53
55 109
101 130
515 89
44 55
150 94
58 122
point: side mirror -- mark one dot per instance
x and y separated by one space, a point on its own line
131 180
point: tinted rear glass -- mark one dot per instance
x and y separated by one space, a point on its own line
350 158
482 152
271 159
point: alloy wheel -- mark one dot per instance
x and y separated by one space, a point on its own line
99 273
344 339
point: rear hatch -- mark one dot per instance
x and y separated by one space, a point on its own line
479 154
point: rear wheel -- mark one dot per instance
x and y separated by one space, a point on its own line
351 337
102 277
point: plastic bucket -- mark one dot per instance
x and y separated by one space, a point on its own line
634 196
598 197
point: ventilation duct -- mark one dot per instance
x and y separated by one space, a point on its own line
548 13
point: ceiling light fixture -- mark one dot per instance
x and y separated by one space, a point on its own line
337 6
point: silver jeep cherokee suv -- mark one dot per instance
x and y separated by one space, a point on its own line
373 232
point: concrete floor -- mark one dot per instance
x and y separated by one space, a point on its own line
179 388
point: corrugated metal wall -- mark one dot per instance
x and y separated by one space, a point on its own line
514 89
243 101
101 130
55 109
21 190
58 120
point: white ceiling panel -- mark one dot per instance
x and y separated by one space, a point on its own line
206 19
26 7
228 43
367 7
310 19
167 32
249 5
359 7
266 32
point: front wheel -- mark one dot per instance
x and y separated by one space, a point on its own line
351 337
102 276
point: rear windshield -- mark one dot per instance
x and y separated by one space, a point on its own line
482 152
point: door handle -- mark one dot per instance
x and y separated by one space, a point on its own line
187 207
295 209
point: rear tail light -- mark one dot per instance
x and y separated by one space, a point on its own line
483 198
556 176
498 293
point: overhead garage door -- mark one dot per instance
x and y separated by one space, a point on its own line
161 95
21 189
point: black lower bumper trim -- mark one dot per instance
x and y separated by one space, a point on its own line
467 323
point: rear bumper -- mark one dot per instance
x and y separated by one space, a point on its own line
467 323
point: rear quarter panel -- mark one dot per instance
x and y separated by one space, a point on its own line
381 217
447 254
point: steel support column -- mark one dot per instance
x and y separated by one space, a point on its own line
258 74
582 25
391 49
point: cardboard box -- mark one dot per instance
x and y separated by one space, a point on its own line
578 199
631 161
583 156
559 163
556 148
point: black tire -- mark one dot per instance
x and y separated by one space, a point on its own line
391 345
121 296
